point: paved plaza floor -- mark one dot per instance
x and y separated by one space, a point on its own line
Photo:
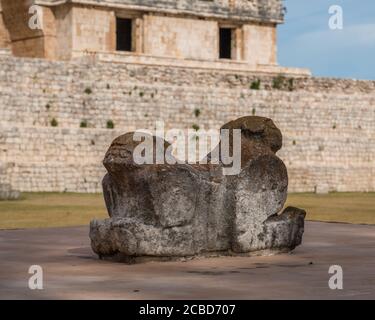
72 271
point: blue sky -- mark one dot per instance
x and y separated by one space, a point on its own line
305 40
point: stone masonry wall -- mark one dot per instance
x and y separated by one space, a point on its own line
328 124
70 30
260 10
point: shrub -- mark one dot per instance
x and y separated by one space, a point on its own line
195 127
83 124
278 82
54 123
110 124
88 90
197 112
255 85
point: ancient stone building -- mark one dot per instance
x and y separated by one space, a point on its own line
196 63
242 32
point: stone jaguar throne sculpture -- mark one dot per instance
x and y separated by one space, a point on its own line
170 211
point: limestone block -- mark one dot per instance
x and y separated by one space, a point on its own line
7 193
322 188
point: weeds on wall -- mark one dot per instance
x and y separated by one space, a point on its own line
88 90
110 124
83 124
278 82
281 82
54 122
195 127
255 85
197 112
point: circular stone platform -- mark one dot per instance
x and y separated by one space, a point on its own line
72 271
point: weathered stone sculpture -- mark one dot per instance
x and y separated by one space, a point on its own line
166 211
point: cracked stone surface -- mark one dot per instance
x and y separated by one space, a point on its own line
166 211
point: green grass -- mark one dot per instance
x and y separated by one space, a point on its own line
358 208
36 210
39 210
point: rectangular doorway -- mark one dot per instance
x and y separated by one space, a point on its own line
225 42
124 34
